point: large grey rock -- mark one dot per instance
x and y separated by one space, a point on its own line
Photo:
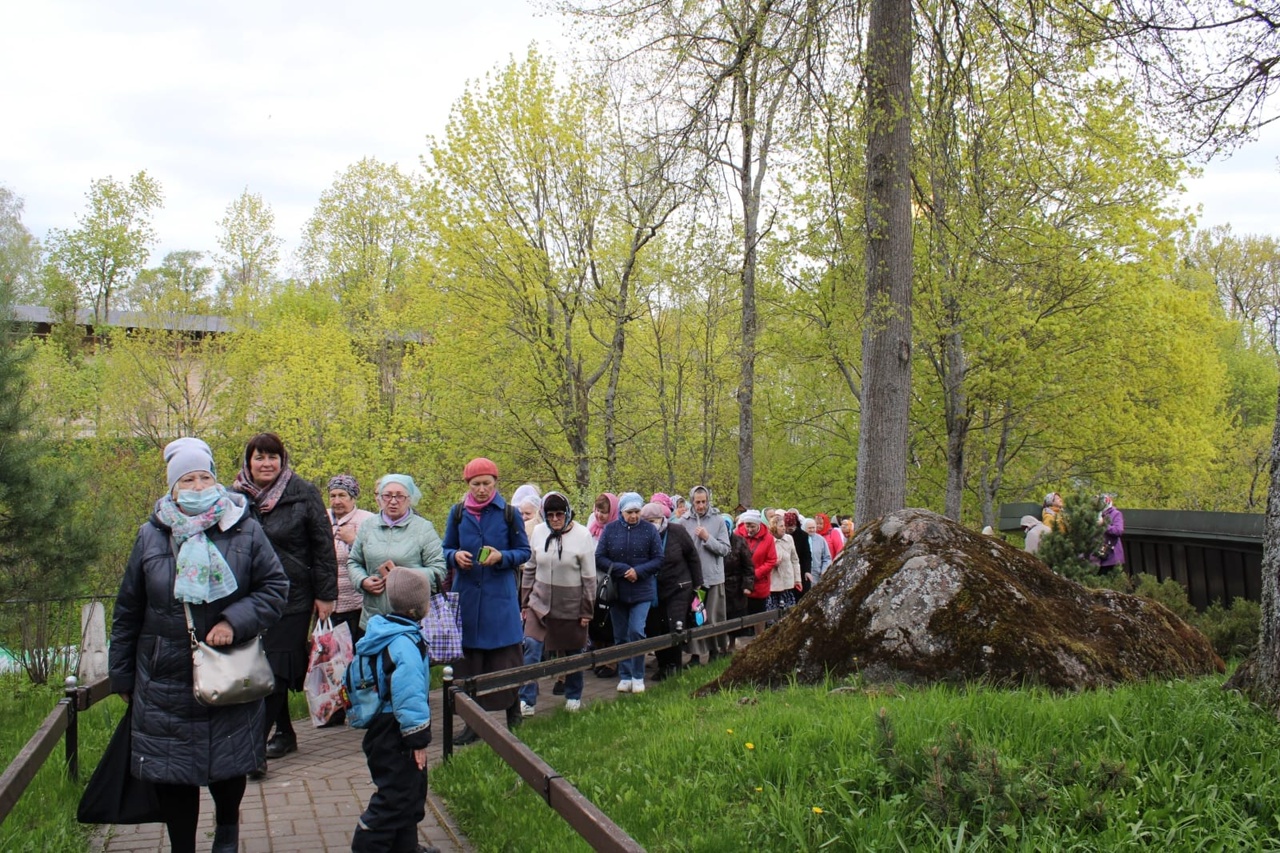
915 597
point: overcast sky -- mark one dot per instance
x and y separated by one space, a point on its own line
281 96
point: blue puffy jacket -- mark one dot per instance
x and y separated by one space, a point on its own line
400 636
488 595
636 546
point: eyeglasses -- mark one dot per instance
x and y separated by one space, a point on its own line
555 515
389 498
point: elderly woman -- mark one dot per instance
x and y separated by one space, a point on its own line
819 553
834 538
396 537
631 551
202 550
711 539
484 547
558 595
679 577
293 516
764 557
345 518
786 574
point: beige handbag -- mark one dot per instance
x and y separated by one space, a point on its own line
228 675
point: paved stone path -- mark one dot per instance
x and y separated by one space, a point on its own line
311 799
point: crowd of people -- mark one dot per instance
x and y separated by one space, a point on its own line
1110 554
265 556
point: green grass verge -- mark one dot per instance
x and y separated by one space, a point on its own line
44 819
1170 765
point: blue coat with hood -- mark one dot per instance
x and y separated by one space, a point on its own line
400 636
636 546
489 596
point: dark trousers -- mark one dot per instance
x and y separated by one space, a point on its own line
181 807
663 619
390 823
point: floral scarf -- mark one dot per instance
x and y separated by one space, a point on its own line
202 572
264 499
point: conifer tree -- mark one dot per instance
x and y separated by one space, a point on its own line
1066 547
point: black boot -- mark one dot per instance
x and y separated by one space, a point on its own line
514 717
281 745
468 736
226 838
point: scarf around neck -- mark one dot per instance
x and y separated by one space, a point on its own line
264 499
474 506
202 572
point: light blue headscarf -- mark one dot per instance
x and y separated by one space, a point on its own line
405 480
630 500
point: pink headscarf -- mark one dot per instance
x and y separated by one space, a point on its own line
594 527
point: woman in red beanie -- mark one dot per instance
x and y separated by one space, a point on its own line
484 547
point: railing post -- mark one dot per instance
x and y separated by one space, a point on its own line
73 729
447 704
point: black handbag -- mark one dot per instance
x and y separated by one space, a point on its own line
113 794
606 590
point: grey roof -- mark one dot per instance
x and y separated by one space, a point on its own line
167 320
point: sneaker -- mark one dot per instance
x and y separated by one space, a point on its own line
637 685
624 686
573 704
526 710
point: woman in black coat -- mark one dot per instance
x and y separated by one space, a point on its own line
202 548
293 514
679 576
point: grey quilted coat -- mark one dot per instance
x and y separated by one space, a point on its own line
175 738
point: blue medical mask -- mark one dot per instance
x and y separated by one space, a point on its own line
197 502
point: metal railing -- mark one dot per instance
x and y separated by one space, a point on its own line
593 825
63 719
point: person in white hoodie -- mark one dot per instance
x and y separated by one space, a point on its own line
711 537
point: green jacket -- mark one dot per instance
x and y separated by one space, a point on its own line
412 545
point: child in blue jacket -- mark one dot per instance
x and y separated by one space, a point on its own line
395 743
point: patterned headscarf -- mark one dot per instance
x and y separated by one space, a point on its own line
345 482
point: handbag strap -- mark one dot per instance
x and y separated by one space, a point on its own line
191 625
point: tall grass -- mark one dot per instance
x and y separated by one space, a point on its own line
45 817
1174 765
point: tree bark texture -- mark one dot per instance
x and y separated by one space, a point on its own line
1268 674
886 336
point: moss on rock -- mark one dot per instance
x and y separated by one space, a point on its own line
917 598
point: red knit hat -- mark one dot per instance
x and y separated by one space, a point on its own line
478 467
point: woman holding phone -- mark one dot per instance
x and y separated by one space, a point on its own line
484 547
396 536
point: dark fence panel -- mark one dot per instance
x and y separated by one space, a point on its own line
1216 556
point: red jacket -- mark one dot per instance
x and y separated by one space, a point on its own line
764 556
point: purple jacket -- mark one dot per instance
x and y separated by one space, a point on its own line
1113 548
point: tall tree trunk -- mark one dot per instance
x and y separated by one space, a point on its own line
956 411
750 323
1268 669
886 336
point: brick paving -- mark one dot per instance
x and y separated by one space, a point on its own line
311 799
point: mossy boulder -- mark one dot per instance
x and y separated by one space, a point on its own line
917 598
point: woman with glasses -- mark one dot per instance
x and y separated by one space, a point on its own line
292 513
484 547
558 595
395 537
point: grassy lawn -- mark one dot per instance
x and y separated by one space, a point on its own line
45 818
1167 765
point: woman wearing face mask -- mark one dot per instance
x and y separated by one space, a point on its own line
484 547
631 551
293 516
201 548
678 577
558 595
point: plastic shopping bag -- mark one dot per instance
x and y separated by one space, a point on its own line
331 653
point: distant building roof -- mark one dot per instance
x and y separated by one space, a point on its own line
166 320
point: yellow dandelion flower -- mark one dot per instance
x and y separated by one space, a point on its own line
758 790
730 731
817 810
751 745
